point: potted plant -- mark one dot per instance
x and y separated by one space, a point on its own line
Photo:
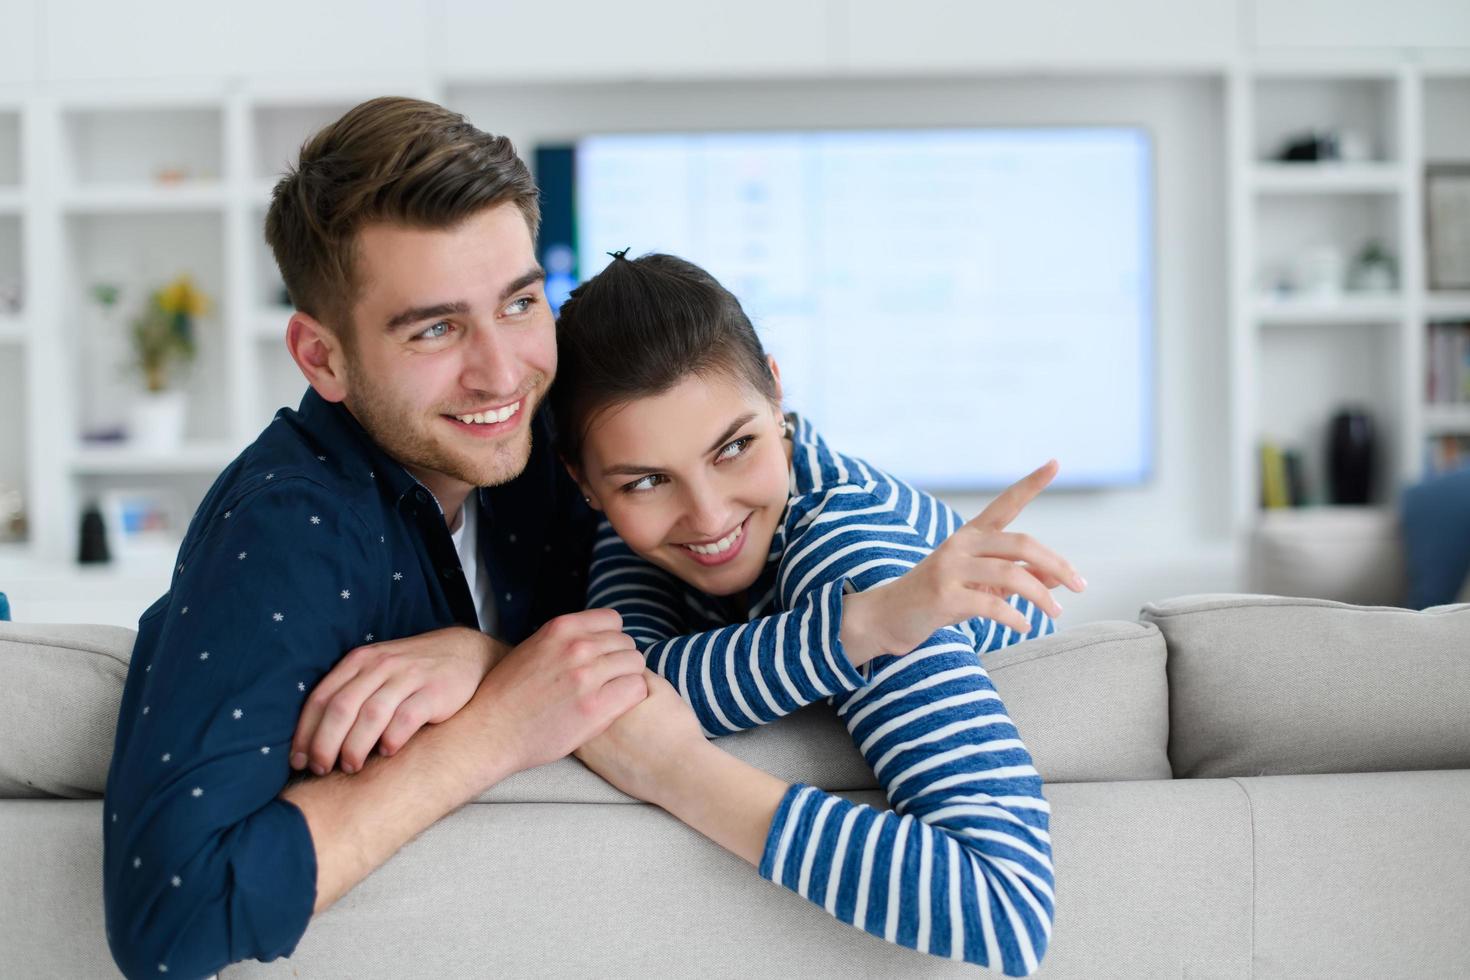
163 341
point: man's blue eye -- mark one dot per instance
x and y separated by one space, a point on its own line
436 331
521 305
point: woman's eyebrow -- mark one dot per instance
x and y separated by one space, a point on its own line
633 469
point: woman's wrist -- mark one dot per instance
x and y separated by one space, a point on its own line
727 800
859 634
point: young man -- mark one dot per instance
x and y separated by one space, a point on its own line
405 237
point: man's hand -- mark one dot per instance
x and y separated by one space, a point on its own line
565 685
642 752
380 694
970 574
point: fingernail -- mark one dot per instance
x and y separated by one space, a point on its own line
318 770
1078 582
349 768
298 761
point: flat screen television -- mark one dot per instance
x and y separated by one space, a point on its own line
955 306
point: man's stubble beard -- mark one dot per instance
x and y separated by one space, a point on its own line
412 440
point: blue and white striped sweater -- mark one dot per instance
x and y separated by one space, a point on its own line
961 867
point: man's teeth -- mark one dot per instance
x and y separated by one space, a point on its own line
714 549
482 418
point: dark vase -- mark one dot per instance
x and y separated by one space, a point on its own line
1350 450
92 549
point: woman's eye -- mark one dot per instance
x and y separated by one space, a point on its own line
735 448
643 483
434 332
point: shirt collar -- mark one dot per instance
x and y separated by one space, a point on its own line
335 428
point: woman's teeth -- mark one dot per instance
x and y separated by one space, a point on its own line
721 545
483 418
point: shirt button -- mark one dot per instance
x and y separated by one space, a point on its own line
446 573
512 538
507 597
420 496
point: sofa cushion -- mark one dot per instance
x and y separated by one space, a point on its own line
1267 685
1091 704
58 707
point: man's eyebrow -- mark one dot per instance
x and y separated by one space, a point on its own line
418 313
533 274
633 469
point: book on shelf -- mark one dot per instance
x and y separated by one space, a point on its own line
1448 374
1445 453
1282 481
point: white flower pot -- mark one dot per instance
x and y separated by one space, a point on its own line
157 421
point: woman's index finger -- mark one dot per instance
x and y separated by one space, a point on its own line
1014 498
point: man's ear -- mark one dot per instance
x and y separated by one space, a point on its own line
582 484
318 353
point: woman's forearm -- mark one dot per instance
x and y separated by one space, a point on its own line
727 800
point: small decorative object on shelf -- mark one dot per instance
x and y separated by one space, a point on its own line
1447 214
1327 145
92 548
12 514
1374 270
1350 452
163 339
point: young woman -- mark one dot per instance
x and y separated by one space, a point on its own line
813 576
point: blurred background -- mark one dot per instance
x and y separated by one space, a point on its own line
1212 255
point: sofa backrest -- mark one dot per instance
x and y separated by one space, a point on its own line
1270 685
58 707
1091 704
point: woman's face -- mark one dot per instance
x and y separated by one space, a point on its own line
694 480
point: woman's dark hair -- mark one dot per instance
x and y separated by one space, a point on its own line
638 328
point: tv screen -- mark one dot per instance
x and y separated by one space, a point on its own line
955 306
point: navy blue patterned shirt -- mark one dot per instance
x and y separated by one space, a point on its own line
312 542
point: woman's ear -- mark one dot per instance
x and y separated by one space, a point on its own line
776 375
582 485
317 351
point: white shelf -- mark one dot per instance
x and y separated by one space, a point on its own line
1347 309
1442 420
192 457
1327 178
269 322
1447 306
11 200
144 198
12 329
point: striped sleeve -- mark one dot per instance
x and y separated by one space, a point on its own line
870 536
961 867
736 677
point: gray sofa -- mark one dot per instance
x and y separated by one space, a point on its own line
1240 786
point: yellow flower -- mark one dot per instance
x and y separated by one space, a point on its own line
181 296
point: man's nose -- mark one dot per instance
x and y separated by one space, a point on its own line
489 363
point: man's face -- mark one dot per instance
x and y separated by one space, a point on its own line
453 347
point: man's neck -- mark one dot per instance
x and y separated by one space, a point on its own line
450 493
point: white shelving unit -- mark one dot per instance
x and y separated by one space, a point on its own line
151 184
1299 357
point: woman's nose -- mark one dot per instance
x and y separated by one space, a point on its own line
708 514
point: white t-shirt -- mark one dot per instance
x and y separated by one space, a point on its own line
466 545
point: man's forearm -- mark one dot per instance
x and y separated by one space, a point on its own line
358 822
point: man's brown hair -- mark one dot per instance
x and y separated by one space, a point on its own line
397 160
